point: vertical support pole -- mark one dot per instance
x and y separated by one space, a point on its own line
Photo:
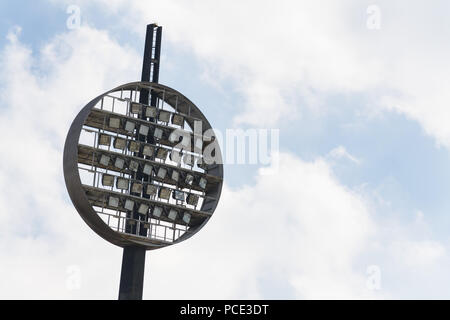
133 260
132 274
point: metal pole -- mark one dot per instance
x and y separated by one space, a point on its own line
133 260
132 275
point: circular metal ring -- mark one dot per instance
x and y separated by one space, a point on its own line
94 201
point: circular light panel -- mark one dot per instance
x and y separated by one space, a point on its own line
140 174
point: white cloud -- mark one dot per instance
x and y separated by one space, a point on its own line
419 253
278 51
300 224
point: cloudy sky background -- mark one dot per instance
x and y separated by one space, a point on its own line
359 205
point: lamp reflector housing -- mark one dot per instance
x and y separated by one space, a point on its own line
134 166
162 153
187 218
148 151
150 112
107 180
113 202
164 193
164 116
134 146
143 130
189 179
129 204
192 199
177 119
178 195
175 176
104 140
147 169
202 183
151 190
143 209
130 126
136 108
136 188
162 172
120 143
157 211
104 160
122 184
172 214
114 123
158 133
119 163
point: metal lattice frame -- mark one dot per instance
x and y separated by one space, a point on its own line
95 142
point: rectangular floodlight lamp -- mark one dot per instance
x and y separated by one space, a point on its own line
187 218
178 195
164 116
148 151
172 214
120 143
134 166
146 225
113 202
175 176
162 172
164 193
147 169
157 211
129 204
104 140
192 199
151 190
143 209
177 119
189 179
107 180
143 130
202 183
122 184
158 133
162 153
104 160
119 163
150 112
136 187
134 146
135 108
130 126
114 123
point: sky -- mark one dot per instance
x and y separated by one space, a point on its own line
357 206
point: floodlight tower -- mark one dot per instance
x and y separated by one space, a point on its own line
142 167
